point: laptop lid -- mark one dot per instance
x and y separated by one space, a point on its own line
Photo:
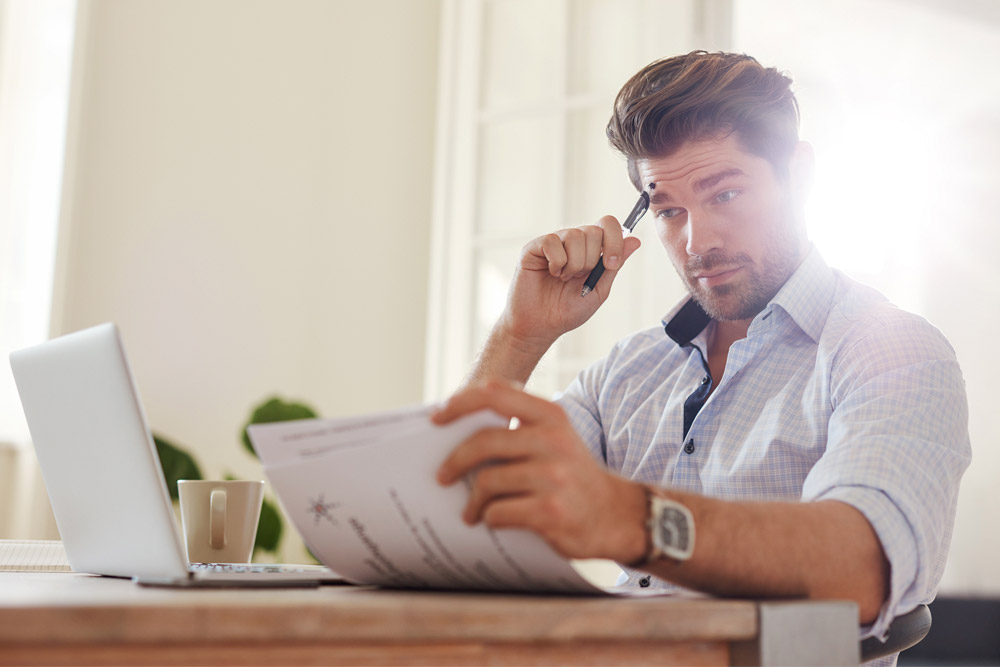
97 456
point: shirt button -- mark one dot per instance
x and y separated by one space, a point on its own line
644 582
705 380
689 447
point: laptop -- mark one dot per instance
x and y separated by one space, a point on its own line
103 475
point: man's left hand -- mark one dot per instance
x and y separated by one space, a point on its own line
541 477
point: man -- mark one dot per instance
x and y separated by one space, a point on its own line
786 432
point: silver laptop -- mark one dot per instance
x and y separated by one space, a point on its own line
102 472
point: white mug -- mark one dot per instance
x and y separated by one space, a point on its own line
220 519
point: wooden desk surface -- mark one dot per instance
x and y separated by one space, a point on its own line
78 619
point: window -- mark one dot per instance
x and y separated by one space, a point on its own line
526 90
36 43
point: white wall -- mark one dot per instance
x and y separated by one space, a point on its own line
249 200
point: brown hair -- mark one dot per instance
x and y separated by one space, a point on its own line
700 96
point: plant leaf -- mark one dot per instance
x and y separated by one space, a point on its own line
269 528
276 409
176 463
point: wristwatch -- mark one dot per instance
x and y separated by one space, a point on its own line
671 529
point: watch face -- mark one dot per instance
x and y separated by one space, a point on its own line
675 531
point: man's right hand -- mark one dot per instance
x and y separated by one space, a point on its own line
544 301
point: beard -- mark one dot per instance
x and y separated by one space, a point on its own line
743 298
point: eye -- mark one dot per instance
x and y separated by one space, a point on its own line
727 196
669 212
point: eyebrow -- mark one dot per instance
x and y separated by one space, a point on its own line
707 183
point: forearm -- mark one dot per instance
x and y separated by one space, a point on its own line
820 550
506 356
541 477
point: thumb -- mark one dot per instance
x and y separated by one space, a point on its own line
631 244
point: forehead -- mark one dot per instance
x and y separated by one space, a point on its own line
696 160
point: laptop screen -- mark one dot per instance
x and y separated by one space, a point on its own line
97 457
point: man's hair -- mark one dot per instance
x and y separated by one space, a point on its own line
702 96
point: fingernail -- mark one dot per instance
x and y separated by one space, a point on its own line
611 262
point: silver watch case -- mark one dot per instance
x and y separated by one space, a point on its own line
671 527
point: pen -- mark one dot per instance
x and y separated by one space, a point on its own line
637 212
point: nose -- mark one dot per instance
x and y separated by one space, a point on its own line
703 235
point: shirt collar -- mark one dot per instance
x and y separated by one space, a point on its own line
805 296
685 321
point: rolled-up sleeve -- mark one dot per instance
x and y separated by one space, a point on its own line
897 446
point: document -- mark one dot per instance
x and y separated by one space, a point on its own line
363 495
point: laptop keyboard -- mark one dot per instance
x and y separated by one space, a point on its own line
252 568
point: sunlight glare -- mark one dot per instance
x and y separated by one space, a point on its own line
871 202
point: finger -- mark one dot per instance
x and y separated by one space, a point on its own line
612 245
515 512
533 513
495 482
575 242
498 446
484 447
595 244
504 398
527 512
550 251
629 245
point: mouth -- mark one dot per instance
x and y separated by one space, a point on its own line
716 277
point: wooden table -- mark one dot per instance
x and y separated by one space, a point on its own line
62 618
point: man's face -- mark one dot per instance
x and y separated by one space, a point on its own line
727 223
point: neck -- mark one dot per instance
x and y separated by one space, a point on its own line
722 335
726 333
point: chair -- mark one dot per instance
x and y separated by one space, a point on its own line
904 631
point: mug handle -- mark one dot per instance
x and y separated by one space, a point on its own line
217 519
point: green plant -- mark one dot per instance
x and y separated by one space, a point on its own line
176 463
274 409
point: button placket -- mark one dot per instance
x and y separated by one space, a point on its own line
696 400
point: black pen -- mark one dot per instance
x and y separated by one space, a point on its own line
637 212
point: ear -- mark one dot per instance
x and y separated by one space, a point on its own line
800 172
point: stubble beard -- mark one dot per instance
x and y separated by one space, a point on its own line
745 298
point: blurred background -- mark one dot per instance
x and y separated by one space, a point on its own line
324 200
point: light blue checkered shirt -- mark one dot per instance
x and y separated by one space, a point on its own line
834 394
